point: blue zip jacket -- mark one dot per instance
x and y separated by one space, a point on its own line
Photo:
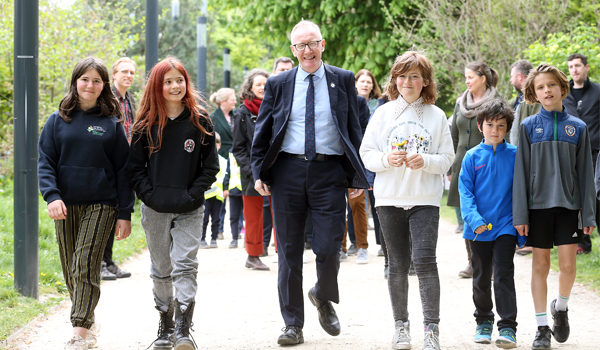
485 187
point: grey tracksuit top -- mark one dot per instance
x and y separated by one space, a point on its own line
553 167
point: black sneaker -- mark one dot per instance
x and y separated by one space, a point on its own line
542 338
560 329
353 250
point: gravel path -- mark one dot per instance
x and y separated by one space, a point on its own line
238 309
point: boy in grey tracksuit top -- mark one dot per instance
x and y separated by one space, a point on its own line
553 194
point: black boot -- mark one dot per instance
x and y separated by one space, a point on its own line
166 328
183 319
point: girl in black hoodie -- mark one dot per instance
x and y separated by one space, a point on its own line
82 169
172 162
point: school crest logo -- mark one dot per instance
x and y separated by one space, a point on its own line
570 130
189 145
96 130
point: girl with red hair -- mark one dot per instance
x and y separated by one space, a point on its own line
172 162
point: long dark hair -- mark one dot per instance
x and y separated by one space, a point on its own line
153 110
109 105
246 93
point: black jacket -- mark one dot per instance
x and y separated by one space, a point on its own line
243 135
84 161
174 178
588 111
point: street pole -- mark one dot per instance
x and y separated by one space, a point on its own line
226 68
151 34
201 45
175 10
26 206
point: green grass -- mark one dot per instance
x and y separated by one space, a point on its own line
588 265
18 310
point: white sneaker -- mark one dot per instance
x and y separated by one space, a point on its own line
76 343
305 258
274 260
362 256
401 338
92 335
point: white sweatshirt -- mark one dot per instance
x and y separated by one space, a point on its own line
426 129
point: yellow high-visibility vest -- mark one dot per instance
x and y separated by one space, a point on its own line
235 180
216 190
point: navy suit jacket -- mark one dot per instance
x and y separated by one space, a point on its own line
274 114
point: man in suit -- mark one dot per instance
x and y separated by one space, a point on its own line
305 155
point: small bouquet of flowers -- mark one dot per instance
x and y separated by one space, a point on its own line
402 147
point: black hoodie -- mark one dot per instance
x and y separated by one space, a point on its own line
84 161
174 178
588 110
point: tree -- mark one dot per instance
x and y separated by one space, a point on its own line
62 43
179 38
456 32
357 32
557 47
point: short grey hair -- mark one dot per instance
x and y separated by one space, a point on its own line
306 23
523 67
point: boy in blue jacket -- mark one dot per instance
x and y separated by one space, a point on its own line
485 187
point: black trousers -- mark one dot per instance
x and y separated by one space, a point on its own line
108 249
586 240
236 205
496 256
212 211
300 187
267 222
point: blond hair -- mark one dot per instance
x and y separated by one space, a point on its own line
115 65
221 95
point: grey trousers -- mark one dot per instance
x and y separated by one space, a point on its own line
406 232
173 241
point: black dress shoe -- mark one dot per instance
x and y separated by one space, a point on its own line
327 316
291 335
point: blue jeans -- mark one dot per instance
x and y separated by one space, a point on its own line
412 231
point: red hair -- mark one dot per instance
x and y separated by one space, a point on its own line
153 110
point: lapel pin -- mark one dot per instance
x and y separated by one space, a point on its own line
332 85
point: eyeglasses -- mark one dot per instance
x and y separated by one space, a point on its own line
311 45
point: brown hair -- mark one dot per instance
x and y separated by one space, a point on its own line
496 110
406 62
282 60
109 105
153 110
529 89
575 56
246 93
483 70
376 92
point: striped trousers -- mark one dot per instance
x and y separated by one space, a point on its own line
81 238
